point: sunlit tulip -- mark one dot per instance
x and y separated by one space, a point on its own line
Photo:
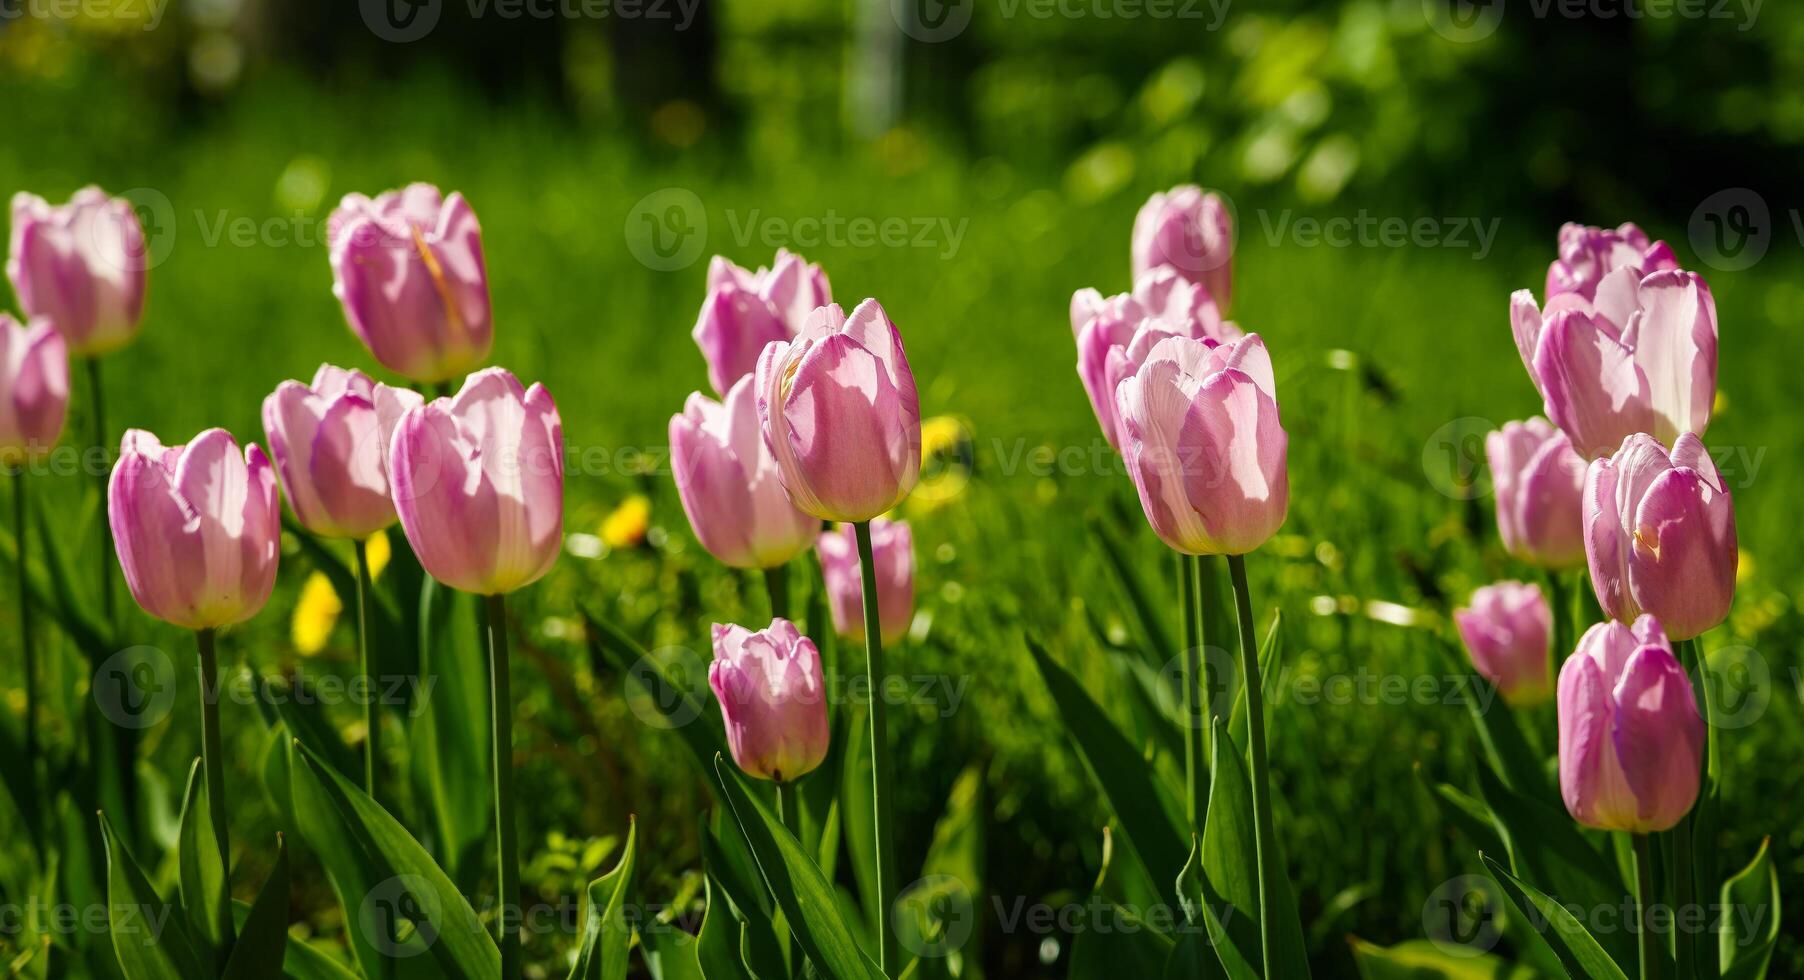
478 480
893 548
1631 741
1540 484
82 266
1639 356
1117 333
728 483
34 389
408 269
197 527
1203 442
840 414
1660 535
773 697
1190 231
1506 629
327 439
746 310
1589 253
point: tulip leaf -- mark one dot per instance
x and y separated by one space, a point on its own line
408 878
1271 653
150 936
728 860
1578 949
1155 634
70 609
302 715
205 897
1230 848
1499 733
1204 950
450 754
718 945
1117 942
805 896
669 952
300 960
1750 912
684 712
1419 959
607 936
1148 819
263 938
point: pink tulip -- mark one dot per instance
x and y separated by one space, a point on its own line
81 265
1203 442
1589 253
1631 741
408 269
893 548
197 527
746 310
1191 232
839 412
34 389
773 697
327 439
478 480
728 483
1540 486
1119 332
1660 535
1638 355
1505 629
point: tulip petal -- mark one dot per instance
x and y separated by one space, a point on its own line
1674 339
1658 737
1233 449
1592 783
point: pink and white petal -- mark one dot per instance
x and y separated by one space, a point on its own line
1591 384
1675 347
1233 449
1658 738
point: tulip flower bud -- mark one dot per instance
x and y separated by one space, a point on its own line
1589 253
328 442
1540 484
840 414
478 481
1505 629
408 269
1631 741
34 389
1202 440
729 486
81 265
1660 535
197 527
773 697
746 310
1191 232
893 549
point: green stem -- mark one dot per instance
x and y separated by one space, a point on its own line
1265 836
22 533
372 711
212 757
776 585
1684 875
1196 781
507 854
1644 893
1560 600
125 739
881 764
786 811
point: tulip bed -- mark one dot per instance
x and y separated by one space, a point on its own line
1046 771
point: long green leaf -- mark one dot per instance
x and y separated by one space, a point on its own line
264 937
450 754
728 861
150 936
1200 954
1578 948
1230 847
205 899
681 709
300 961
1155 633
1419 959
717 947
1750 910
607 936
1271 655
1117 943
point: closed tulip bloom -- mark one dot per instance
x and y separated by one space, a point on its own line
1505 629
840 414
1631 741
1191 232
34 389
773 698
893 548
1119 332
327 439
728 483
1204 445
1589 253
197 527
1660 535
1540 484
82 266
408 269
1640 356
478 480
746 310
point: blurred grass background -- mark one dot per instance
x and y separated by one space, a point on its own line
1036 139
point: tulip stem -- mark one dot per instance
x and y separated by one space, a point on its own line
1644 893
881 765
776 585
30 664
786 812
125 740
372 711
1196 781
1690 653
1265 836
213 761
1561 600
507 855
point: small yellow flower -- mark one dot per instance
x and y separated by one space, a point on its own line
625 527
376 549
947 457
315 615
